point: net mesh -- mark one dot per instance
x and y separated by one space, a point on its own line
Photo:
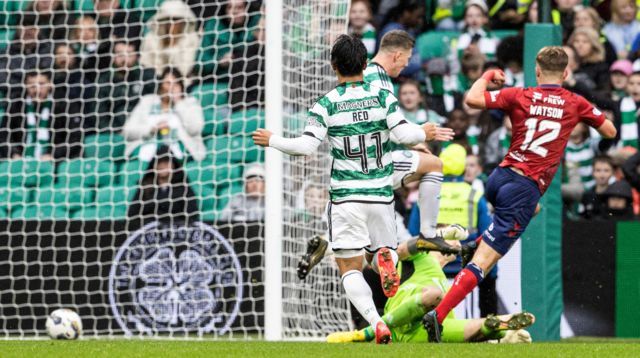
127 167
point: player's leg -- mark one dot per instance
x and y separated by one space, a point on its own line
515 199
411 166
384 241
349 234
316 249
484 329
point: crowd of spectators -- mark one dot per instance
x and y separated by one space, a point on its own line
76 68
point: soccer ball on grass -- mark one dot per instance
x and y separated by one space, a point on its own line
64 323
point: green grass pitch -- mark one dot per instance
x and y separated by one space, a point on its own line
149 348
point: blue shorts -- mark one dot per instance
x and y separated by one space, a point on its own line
514 198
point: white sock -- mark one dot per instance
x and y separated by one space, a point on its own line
429 202
374 262
359 293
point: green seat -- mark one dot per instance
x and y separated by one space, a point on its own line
211 95
109 212
435 43
147 7
12 198
85 173
26 172
112 202
246 122
225 192
69 198
86 6
104 146
132 171
201 172
215 122
504 33
206 195
40 212
225 174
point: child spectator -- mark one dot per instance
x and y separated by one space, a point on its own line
172 39
412 104
249 205
592 205
164 194
222 34
360 25
167 118
618 201
475 36
28 51
588 17
619 74
590 53
85 42
623 27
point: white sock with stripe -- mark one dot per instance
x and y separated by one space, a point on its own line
429 202
359 293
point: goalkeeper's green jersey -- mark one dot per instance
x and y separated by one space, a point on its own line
426 272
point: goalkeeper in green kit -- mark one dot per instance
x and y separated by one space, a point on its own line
421 292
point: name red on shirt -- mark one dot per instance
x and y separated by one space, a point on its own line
542 119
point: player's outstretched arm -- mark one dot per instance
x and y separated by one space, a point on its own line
475 96
306 144
607 129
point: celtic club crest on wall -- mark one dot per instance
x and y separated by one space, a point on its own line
175 280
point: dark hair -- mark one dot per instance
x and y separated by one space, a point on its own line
396 39
396 12
175 73
635 73
492 65
604 159
348 56
552 59
511 49
34 73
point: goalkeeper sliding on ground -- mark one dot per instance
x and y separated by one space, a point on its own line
422 289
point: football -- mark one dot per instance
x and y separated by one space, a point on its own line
64 323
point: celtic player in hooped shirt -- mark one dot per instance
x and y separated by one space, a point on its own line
542 118
358 118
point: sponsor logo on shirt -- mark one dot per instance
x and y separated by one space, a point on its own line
350 106
494 95
596 112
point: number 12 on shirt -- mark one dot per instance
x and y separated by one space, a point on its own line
533 126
